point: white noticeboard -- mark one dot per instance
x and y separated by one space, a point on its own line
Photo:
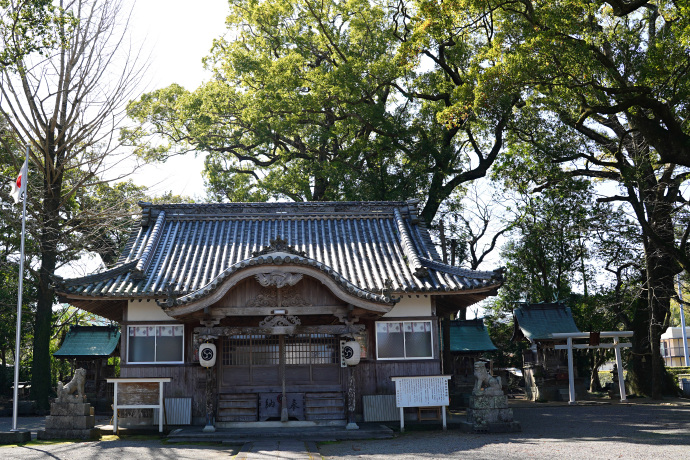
421 391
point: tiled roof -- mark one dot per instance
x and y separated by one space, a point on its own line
470 335
539 321
371 249
93 341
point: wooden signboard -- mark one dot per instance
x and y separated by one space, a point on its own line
421 391
138 393
270 405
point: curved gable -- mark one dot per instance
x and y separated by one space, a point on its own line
215 292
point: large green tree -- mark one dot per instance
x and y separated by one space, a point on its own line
606 89
548 252
560 242
299 107
334 100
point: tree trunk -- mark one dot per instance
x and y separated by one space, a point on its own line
641 366
40 370
661 289
3 372
598 358
649 376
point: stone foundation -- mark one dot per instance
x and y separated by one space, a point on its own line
14 437
490 413
70 420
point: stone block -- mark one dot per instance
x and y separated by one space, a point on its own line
62 409
92 433
70 422
505 415
482 402
489 401
482 416
14 437
510 427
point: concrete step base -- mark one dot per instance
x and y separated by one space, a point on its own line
498 427
14 437
85 434
313 434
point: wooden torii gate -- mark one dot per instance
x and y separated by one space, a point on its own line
616 345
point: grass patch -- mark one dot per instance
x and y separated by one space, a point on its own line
42 442
110 437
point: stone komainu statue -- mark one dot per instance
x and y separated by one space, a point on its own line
485 383
74 385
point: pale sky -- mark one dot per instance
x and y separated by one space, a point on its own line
177 34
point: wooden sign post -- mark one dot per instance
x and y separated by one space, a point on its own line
138 393
421 391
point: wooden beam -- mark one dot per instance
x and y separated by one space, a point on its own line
335 310
326 329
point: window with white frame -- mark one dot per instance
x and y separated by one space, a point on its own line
155 344
403 340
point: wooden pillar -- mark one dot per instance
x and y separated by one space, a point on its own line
445 325
462 314
281 351
351 399
210 384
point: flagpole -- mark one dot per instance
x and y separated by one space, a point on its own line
683 330
15 402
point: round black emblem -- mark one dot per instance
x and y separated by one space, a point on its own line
207 354
348 352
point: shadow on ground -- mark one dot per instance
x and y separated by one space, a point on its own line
616 427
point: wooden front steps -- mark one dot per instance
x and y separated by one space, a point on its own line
324 406
244 407
238 407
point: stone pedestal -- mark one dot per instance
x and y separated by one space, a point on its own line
70 420
490 413
14 437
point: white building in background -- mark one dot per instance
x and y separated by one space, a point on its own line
672 346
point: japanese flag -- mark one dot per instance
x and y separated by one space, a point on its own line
19 186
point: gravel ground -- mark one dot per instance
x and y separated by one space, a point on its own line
635 431
602 431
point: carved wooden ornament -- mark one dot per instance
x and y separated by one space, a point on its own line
280 321
278 279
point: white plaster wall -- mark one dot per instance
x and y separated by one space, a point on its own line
146 311
411 306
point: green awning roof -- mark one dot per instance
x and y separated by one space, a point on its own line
89 341
539 321
469 336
